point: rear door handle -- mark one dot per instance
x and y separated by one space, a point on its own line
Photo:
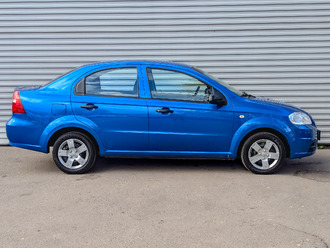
89 106
164 110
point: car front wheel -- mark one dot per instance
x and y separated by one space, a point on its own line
74 153
263 153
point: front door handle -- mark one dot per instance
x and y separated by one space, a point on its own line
89 106
164 110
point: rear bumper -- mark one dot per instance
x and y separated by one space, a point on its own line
27 146
23 133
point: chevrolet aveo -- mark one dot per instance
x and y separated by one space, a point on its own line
155 109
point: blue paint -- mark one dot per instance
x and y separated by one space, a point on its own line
125 126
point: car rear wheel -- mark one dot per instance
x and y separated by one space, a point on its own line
263 153
74 153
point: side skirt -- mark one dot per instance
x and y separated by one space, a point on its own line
171 154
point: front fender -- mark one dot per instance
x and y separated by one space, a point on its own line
65 122
260 123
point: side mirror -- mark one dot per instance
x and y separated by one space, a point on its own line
217 98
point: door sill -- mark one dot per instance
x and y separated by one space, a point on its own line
169 154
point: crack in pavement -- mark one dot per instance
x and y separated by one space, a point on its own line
315 175
302 231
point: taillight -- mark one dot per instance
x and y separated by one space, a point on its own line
17 104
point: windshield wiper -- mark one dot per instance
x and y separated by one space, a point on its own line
247 95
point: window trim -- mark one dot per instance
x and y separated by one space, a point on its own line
76 87
177 100
106 69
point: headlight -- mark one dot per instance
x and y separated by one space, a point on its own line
300 118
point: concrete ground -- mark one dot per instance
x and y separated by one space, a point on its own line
163 203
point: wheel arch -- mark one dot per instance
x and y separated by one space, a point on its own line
268 130
62 131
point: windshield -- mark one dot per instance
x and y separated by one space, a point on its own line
231 88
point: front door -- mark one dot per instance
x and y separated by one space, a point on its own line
108 101
181 119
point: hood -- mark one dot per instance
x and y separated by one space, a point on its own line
276 103
271 105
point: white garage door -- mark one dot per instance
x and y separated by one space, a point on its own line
278 49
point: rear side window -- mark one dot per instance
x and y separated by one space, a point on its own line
118 82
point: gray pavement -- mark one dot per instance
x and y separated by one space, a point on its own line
163 203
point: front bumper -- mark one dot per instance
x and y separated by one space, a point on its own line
313 146
318 134
305 141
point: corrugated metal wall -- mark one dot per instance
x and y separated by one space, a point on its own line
274 48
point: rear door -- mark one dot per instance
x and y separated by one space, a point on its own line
109 101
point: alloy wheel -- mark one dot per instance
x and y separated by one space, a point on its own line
263 154
73 153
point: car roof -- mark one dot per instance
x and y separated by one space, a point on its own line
141 62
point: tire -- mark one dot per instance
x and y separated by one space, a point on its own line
74 153
263 153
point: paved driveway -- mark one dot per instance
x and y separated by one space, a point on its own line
163 203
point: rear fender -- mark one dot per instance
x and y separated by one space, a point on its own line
65 122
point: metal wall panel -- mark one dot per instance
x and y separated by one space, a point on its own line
275 48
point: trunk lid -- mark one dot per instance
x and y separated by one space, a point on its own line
24 88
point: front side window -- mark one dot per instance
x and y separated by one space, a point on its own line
174 85
118 82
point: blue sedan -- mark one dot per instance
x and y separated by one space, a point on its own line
155 109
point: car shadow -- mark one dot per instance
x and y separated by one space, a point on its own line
290 167
152 164
316 164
